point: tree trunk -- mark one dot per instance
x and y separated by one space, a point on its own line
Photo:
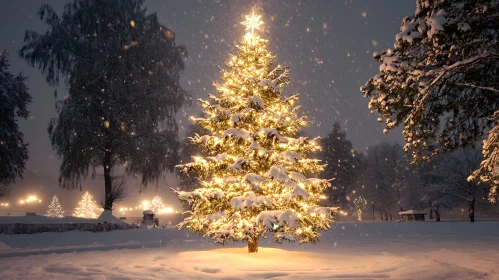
472 210
431 213
386 217
108 203
381 215
253 245
437 214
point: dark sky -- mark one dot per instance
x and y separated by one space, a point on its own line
328 44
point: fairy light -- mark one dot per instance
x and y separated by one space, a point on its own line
87 208
254 161
157 205
55 209
360 204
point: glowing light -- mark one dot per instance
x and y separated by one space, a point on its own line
360 204
55 209
252 22
255 173
167 210
87 208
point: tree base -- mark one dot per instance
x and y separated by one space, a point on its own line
253 245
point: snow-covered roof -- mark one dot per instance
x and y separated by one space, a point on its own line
411 212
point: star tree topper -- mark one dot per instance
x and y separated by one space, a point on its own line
252 22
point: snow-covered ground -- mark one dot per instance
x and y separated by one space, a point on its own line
418 250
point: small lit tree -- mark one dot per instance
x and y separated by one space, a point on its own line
157 205
55 209
360 204
87 208
256 177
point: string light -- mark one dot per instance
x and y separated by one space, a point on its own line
254 175
87 208
157 205
55 209
360 204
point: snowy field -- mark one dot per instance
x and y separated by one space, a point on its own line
429 250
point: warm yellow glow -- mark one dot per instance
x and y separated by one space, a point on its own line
22 201
252 22
253 162
360 204
167 210
87 207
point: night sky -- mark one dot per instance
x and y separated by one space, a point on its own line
328 45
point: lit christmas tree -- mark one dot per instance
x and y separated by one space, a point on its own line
255 177
55 209
87 208
360 204
157 205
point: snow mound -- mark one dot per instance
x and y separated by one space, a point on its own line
108 217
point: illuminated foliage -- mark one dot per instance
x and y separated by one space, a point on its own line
157 205
256 177
360 204
87 208
55 209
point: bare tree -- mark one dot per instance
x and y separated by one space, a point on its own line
459 165
381 183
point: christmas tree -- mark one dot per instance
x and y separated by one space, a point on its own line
360 204
55 209
157 205
87 208
255 175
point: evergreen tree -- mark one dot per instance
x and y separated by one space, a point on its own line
87 208
342 165
157 205
122 70
14 100
254 177
440 82
55 209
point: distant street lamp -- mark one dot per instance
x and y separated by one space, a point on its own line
167 210
30 199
